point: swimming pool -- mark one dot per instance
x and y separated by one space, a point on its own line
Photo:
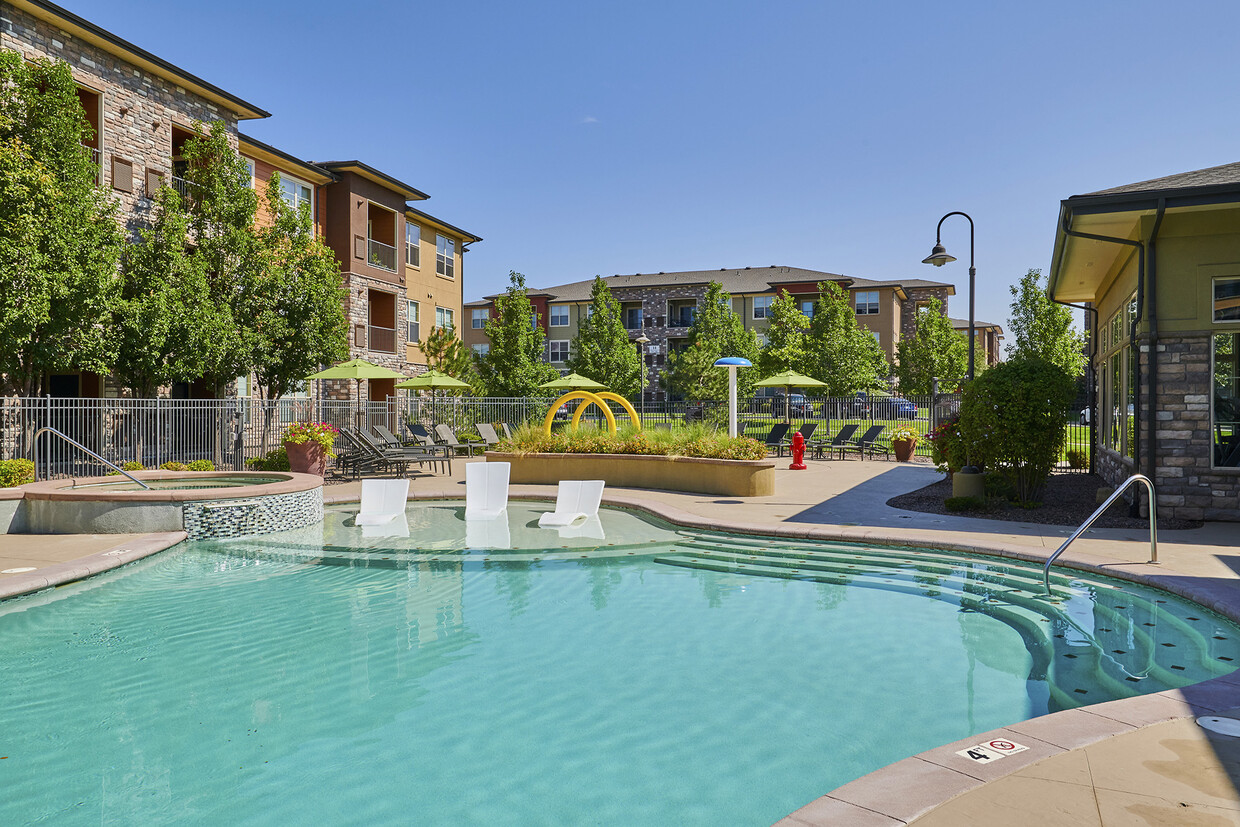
648 676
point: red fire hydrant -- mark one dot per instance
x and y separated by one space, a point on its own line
798 452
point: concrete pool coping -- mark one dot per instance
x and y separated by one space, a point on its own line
933 784
64 490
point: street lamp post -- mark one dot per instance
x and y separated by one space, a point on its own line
938 257
642 341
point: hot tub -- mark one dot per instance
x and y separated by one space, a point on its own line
205 505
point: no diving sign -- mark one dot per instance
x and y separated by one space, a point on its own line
989 751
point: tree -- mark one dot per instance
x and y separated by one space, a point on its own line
716 332
1042 328
222 209
785 347
936 350
59 240
159 322
514 365
841 353
446 353
602 350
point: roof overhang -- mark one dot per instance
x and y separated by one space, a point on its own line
376 177
468 237
254 148
1082 267
88 32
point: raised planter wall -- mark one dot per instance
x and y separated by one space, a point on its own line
726 477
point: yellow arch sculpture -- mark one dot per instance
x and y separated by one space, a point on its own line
590 399
622 402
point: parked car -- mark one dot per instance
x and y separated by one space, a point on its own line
892 407
778 402
1084 416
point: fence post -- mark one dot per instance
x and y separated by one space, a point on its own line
934 404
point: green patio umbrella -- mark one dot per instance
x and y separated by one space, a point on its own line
357 370
788 380
432 380
573 382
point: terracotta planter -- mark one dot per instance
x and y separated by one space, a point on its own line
904 449
306 458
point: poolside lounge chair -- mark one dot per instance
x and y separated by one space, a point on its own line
382 501
487 432
363 457
405 454
575 502
775 439
486 490
507 429
868 444
448 439
836 443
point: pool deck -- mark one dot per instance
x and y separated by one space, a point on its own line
1139 760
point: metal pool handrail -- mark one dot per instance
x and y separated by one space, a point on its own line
82 447
1149 486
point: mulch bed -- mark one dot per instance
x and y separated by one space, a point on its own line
1068 500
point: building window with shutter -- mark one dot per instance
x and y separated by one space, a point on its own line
445 257
413 244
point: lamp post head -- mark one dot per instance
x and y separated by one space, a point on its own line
938 256
642 340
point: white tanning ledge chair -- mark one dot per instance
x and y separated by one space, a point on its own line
575 502
382 501
486 490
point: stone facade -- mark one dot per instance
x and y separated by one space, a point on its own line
916 297
138 108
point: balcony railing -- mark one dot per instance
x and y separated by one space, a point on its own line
381 255
381 339
181 186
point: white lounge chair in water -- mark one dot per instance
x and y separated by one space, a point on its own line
486 490
575 502
382 501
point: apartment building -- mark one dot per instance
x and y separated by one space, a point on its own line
662 305
988 337
403 267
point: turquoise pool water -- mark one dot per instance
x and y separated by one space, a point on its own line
322 676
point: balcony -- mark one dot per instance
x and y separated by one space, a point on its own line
381 339
380 255
181 186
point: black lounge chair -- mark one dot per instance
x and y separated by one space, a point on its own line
775 439
363 457
403 456
836 443
867 444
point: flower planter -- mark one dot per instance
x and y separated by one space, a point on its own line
903 449
724 477
306 457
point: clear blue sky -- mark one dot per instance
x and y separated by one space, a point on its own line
606 137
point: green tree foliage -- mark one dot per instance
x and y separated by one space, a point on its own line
936 350
1042 328
1014 414
602 350
222 209
295 309
786 339
446 353
59 241
514 365
841 353
716 332
161 321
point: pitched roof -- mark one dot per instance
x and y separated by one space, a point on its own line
737 281
978 324
1223 175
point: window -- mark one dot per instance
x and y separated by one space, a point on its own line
481 350
413 244
445 257
632 318
1226 407
762 307
558 351
867 302
249 178
478 317
415 326
807 307
443 317
877 338
295 193
589 310
1227 300
559 315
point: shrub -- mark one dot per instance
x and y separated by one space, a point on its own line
1015 414
696 440
134 466
201 465
1078 458
15 472
276 460
964 504
173 466
949 449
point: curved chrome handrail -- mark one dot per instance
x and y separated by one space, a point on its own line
76 444
1046 570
